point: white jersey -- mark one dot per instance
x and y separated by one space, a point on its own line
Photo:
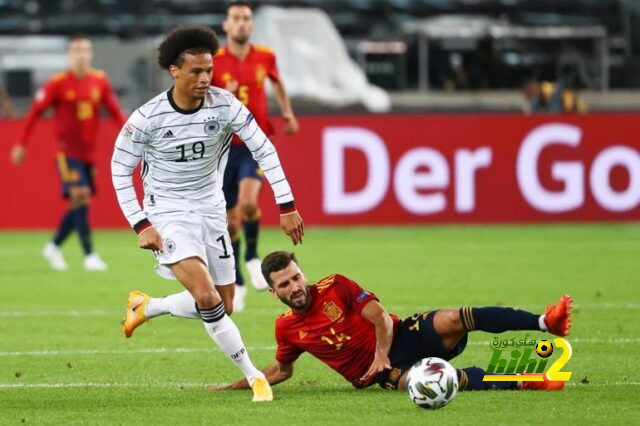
184 153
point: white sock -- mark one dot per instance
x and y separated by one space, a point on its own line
226 335
541 323
179 305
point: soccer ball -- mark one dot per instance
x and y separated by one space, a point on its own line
544 348
432 383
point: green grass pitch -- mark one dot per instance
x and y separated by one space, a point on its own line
64 360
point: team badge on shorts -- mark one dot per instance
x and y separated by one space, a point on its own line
169 245
212 127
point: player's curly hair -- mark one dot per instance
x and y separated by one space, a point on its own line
183 40
276 261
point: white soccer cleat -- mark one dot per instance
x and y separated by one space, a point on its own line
255 272
93 262
53 255
238 298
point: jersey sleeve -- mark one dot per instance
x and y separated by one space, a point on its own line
127 154
353 296
243 124
110 101
285 352
44 98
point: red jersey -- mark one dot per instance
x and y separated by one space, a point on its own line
250 74
76 102
332 329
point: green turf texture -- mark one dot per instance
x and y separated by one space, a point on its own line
63 329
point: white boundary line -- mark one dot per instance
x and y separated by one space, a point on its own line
54 352
203 385
105 313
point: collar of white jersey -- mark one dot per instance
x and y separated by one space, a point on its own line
180 110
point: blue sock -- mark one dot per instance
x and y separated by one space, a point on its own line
251 229
64 228
470 379
497 320
81 215
235 244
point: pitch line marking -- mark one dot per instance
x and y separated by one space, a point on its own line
198 385
105 313
47 352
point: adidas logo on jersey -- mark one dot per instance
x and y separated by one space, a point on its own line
168 135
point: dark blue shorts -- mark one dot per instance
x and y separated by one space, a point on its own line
75 173
415 339
240 165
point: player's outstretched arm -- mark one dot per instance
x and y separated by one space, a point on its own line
243 124
378 316
275 373
284 103
127 154
43 99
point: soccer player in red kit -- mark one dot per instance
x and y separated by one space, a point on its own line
76 95
243 68
346 327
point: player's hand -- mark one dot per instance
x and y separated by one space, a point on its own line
150 239
380 363
291 126
18 154
231 86
291 224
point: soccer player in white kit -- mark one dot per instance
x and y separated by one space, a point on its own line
182 138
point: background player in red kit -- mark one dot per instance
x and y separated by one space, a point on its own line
76 95
346 327
242 68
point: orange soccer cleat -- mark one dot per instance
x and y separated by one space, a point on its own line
261 390
546 384
136 309
558 316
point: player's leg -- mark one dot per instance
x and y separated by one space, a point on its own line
52 252
249 190
80 195
234 221
194 275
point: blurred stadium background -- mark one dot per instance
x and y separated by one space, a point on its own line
476 113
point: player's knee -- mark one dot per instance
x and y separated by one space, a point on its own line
454 320
206 298
249 209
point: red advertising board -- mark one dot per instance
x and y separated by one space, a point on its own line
398 169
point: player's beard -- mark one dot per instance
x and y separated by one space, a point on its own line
299 305
241 39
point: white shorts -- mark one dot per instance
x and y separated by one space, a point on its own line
189 234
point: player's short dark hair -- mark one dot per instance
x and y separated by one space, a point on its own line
276 261
186 40
238 3
78 36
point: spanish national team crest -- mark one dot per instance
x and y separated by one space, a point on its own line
333 312
212 127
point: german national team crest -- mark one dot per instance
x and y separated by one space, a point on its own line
212 127
332 311
169 245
